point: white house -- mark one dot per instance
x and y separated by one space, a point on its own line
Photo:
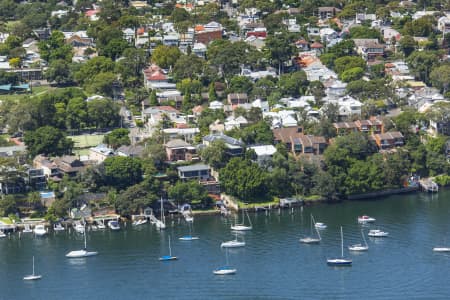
216 105
264 153
444 24
263 105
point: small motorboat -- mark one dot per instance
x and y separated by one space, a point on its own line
79 228
320 225
365 219
27 229
101 225
40 230
114 225
58 227
441 249
225 270
139 222
2 234
377 233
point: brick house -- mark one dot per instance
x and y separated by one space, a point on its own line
389 140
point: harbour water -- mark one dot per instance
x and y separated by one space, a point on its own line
272 265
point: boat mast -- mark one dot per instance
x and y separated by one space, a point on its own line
85 242
364 238
170 249
342 244
33 265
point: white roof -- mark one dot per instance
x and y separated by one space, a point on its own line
264 150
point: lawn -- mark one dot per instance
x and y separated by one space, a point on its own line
86 140
38 90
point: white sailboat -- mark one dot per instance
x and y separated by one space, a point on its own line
32 276
161 224
340 261
227 269
81 253
233 243
441 249
168 257
311 239
101 225
189 237
79 227
58 227
242 226
2 234
360 247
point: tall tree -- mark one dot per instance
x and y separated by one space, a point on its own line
47 140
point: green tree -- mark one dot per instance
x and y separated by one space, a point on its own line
134 199
280 49
244 179
407 45
165 56
440 78
116 138
8 205
76 113
189 192
102 83
241 84
421 63
344 63
188 66
92 67
352 74
55 48
293 84
58 71
215 154
47 140
364 32
103 113
114 48
122 172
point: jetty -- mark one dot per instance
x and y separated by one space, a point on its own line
428 185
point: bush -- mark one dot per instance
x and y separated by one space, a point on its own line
442 180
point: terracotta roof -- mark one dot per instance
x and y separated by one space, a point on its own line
199 28
198 109
344 125
284 134
156 76
316 45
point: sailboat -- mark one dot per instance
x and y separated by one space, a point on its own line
242 226
161 224
32 276
311 239
225 270
168 257
81 253
341 261
360 247
189 237
233 243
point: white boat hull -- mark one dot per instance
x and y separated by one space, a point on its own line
241 228
358 248
377 233
225 271
320 226
80 254
32 277
366 219
232 244
309 240
188 238
441 249
339 262
40 232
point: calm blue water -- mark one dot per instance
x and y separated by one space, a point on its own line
273 265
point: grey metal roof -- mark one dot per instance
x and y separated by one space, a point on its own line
196 167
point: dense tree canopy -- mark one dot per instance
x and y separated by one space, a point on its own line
47 140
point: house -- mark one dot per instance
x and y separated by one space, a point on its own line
262 105
444 24
208 32
35 179
264 153
260 32
308 144
199 49
11 181
231 122
100 153
317 48
234 147
197 172
302 45
327 12
70 165
343 128
237 98
216 105
130 151
49 168
389 140
287 135
370 126
156 78
171 39
217 127
188 134
179 150
11 151
129 35
369 49
156 114
257 42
